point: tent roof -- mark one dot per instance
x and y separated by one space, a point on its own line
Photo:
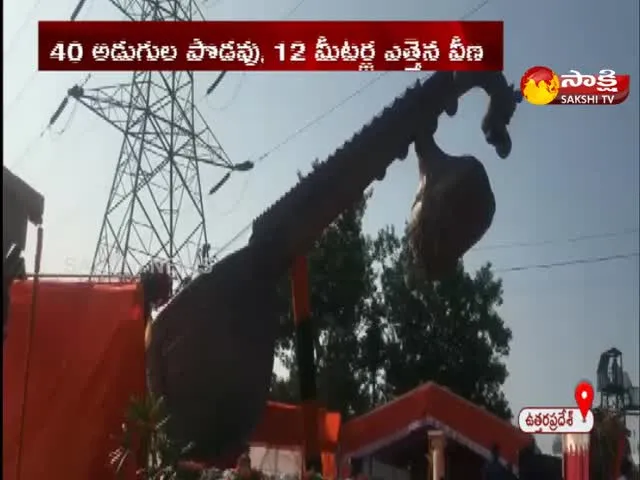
431 406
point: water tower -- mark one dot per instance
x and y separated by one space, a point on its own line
617 393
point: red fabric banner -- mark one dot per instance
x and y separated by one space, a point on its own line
289 46
86 360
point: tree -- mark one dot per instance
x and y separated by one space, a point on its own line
448 332
382 329
342 286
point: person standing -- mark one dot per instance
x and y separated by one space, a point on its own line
626 469
244 470
357 470
312 473
494 470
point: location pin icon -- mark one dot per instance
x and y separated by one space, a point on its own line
584 398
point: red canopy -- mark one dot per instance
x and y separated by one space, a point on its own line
431 405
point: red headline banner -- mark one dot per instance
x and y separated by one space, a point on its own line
288 46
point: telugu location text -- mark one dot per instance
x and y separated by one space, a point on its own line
554 420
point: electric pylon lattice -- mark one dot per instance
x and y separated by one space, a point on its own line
155 206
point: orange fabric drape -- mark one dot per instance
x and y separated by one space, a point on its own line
281 427
329 468
87 361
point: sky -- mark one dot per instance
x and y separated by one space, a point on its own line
573 172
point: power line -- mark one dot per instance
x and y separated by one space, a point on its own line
350 97
317 119
232 240
293 10
211 4
233 98
234 95
293 135
29 149
74 16
521 268
24 24
580 238
37 139
579 261
67 124
487 247
243 78
238 200
25 87
474 10
325 114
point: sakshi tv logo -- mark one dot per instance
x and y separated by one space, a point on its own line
542 86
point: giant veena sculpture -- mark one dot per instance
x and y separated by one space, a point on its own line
212 347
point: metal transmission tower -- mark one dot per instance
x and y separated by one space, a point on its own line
617 394
155 206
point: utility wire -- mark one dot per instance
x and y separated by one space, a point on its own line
16 36
234 95
348 98
28 150
232 240
239 199
317 119
37 139
505 246
31 145
579 261
211 3
240 83
233 98
25 86
325 114
580 238
67 124
521 268
293 10
32 77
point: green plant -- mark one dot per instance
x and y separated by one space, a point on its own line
143 440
